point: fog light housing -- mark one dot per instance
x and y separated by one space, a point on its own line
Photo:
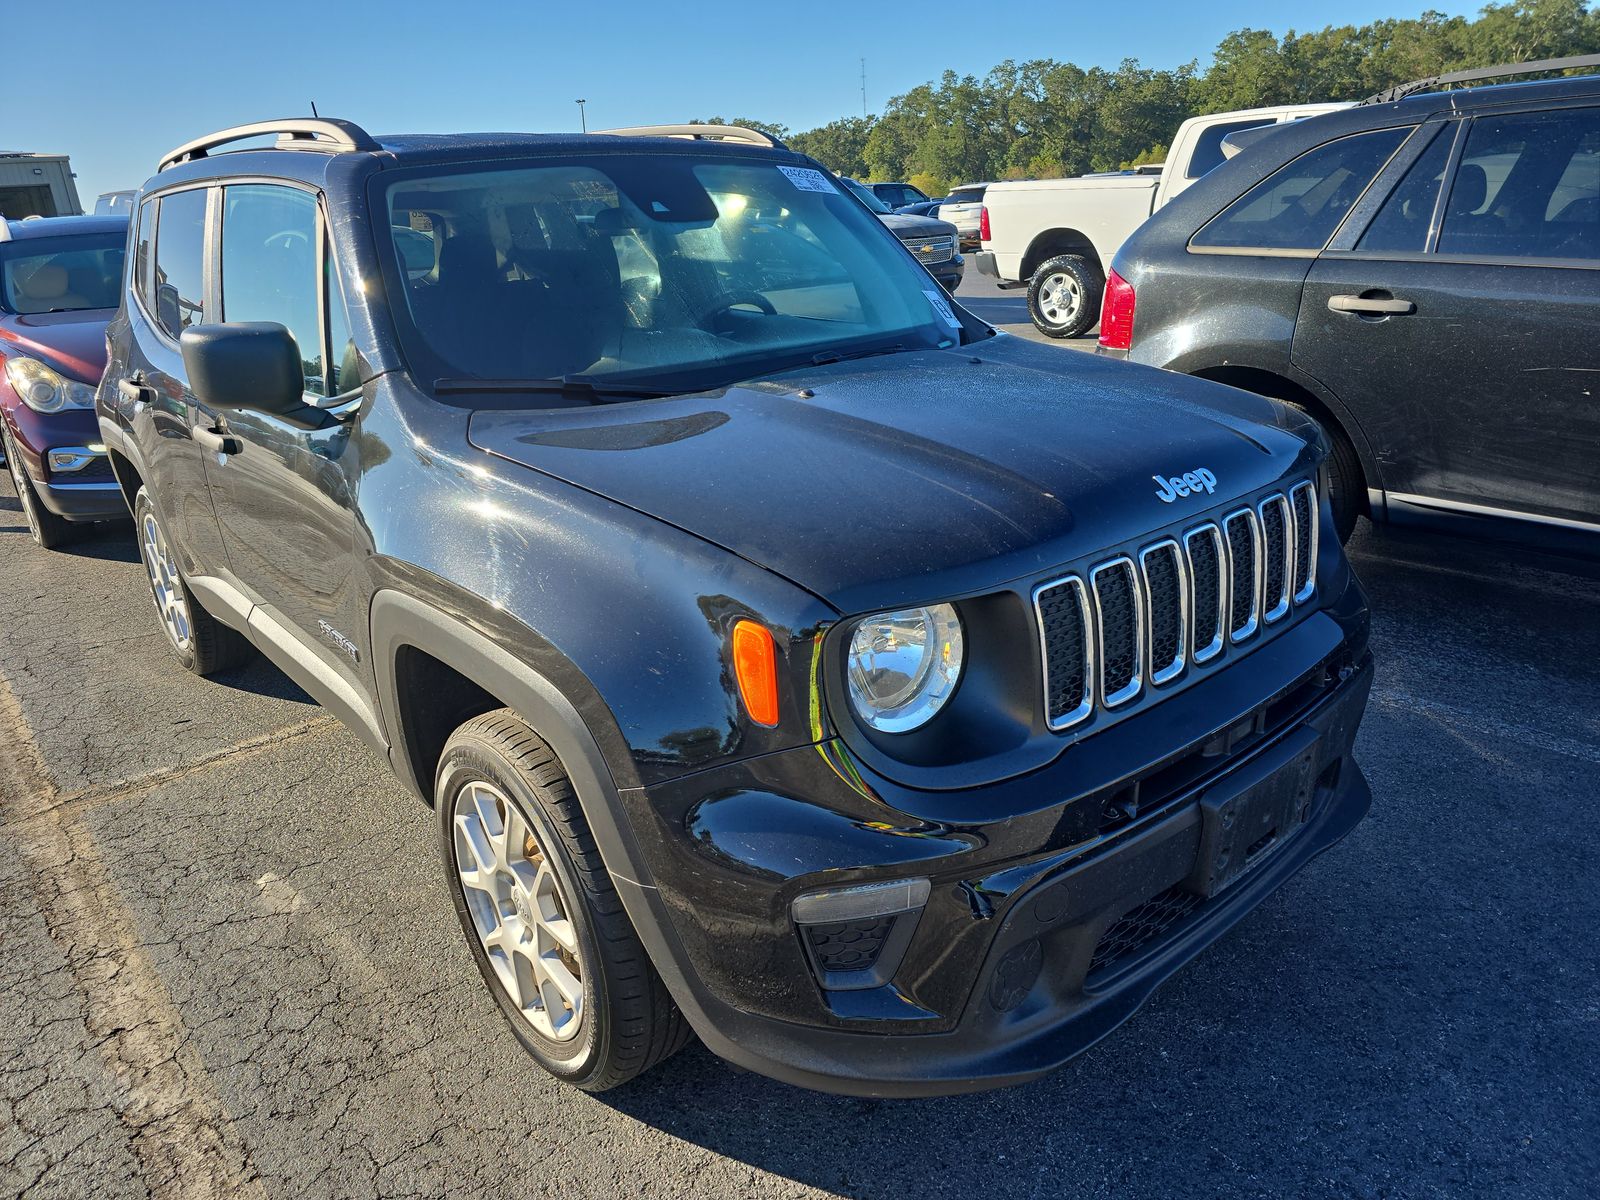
855 937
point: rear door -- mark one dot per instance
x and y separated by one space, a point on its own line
1456 319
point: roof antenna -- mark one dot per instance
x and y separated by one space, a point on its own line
314 112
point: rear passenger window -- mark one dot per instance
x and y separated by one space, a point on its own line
269 266
1401 226
1528 187
1299 206
180 261
1207 155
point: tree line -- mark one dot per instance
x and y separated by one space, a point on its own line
1043 119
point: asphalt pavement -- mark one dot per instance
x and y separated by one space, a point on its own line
230 966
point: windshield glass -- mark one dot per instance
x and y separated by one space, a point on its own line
64 274
669 271
868 197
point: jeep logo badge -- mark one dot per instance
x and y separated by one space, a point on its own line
1186 484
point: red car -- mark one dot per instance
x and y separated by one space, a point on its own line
60 282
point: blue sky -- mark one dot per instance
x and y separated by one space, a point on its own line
134 79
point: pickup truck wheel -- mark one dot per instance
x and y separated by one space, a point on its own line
1064 296
44 527
544 921
202 643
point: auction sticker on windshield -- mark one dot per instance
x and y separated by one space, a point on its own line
942 307
808 179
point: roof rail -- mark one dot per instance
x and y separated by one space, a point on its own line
294 133
709 133
1510 71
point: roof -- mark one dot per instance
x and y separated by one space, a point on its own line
46 227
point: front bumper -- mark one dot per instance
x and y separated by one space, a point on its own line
949 274
91 492
1026 952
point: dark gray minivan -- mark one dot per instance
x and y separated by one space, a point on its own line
1422 273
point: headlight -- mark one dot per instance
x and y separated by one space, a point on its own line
904 666
44 390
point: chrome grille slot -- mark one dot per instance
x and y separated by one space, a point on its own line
1209 597
1120 624
1244 573
1063 611
935 249
1166 592
1303 498
1277 551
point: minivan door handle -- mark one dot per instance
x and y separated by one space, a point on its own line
1371 305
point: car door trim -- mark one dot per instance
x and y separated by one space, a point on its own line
1489 510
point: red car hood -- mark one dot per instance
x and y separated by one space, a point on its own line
72 342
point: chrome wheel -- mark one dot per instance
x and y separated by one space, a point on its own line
1060 297
24 492
519 911
165 585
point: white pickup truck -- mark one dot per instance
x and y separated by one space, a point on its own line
1058 236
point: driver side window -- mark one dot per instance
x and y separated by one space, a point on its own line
269 267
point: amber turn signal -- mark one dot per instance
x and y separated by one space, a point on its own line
755 666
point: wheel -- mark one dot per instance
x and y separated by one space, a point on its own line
1064 296
545 923
46 529
1347 483
202 643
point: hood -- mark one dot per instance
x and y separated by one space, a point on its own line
918 475
904 225
71 342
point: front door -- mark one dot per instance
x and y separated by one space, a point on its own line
1462 334
285 496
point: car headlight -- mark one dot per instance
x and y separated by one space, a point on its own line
45 390
904 666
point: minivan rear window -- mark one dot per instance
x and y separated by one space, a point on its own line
1299 205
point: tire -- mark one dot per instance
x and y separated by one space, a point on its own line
1064 296
601 1015
202 644
1347 483
46 529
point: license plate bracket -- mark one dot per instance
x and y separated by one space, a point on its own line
1243 821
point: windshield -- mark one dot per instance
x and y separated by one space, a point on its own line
668 271
62 274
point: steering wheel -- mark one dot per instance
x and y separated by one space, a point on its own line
289 237
735 300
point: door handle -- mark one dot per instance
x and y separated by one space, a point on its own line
135 392
217 441
1371 306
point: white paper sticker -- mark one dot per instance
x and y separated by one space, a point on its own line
808 179
942 307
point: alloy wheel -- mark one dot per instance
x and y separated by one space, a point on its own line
1059 298
165 585
519 910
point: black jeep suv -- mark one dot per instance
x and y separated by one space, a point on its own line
789 657
1422 273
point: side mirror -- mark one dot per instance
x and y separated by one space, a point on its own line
251 365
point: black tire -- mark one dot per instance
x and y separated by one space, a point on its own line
627 1022
1078 280
1347 483
209 646
46 529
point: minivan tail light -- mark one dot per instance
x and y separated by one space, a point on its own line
983 223
1116 314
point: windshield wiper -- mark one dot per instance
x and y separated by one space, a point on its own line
833 356
567 385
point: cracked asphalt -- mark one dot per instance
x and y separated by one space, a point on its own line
230 967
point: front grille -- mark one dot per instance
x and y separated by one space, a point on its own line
1118 617
1244 583
932 249
1144 924
1131 626
1277 549
1064 632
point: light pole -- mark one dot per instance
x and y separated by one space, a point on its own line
582 115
